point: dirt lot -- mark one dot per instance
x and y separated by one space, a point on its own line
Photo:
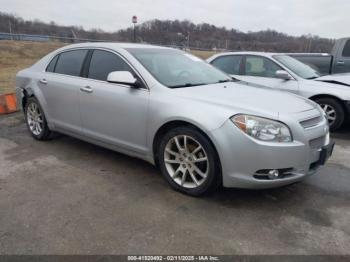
69 197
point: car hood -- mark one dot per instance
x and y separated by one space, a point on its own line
245 98
339 79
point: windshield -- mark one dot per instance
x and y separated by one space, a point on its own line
174 68
297 67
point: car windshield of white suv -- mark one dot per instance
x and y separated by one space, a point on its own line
297 67
175 68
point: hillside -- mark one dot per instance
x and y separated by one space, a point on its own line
15 55
180 33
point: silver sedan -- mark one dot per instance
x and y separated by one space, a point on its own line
172 109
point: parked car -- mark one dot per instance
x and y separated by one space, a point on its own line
336 62
176 111
282 72
321 62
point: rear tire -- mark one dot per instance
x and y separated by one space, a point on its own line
189 162
334 112
35 120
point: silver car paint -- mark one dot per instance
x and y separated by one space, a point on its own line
297 85
337 78
126 119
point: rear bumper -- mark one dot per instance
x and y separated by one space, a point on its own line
19 97
243 158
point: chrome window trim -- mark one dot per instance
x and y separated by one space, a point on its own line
101 81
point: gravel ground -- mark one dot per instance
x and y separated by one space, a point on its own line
66 196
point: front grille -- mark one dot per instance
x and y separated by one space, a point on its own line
314 121
317 143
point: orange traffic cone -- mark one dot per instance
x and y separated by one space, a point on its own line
8 103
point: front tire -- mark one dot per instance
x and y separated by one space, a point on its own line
189 162
334 112
35 120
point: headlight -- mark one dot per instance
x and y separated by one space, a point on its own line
262 128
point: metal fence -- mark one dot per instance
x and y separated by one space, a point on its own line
44 38
48 38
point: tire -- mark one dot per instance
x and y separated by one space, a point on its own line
334 110
185 168
35 120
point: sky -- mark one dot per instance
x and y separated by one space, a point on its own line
326 18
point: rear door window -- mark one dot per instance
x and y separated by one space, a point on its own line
70 62
103 62
346 50
51 66
229 64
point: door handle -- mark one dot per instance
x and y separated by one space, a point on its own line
340 63
86 89
43 81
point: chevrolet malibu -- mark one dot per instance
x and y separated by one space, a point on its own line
200 127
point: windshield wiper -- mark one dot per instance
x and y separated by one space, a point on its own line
228 80
187 85
313 77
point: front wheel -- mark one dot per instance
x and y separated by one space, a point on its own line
334 112
189 161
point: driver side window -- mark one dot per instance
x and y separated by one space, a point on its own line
260 67
103 62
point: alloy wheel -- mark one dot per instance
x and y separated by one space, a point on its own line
331 114
186 161
35 119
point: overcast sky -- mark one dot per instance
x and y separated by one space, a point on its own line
327 18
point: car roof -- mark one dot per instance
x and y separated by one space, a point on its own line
250 53
309 54
266 54
111 45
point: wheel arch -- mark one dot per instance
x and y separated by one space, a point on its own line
162 130
27 93
341 102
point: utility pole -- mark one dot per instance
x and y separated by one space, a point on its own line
134 21
10 27
188 40
74 35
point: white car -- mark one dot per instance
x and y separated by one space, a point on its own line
280 71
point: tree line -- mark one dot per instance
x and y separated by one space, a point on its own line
177 33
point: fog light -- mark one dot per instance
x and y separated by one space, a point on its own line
274 173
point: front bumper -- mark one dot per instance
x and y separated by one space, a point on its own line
347 105
242 157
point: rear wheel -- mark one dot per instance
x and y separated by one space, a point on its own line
35 120
189 161
334 112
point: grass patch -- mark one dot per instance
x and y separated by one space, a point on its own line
203 54
17 55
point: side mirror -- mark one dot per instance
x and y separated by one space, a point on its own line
281 74
122 77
